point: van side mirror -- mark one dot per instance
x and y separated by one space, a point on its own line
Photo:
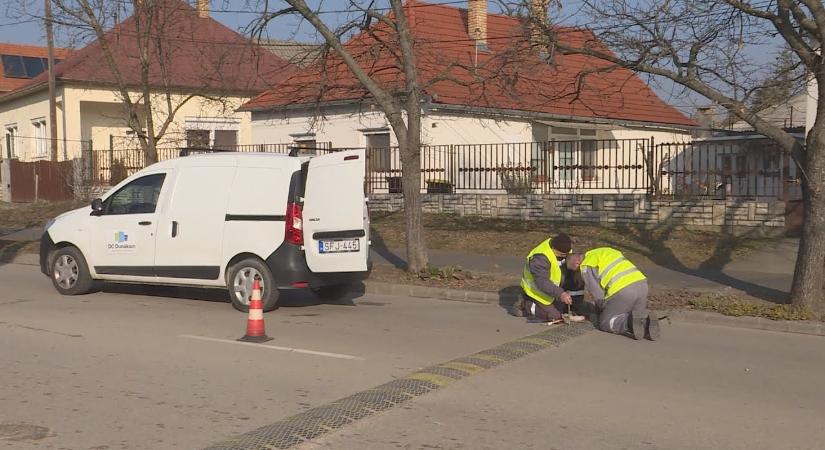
97 207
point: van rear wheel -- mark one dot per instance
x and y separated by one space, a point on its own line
239 280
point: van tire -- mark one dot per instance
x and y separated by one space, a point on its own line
70 272
331 292
244 271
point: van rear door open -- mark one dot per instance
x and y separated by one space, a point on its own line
336 225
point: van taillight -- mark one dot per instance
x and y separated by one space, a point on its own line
294 224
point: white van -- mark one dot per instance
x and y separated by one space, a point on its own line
221 220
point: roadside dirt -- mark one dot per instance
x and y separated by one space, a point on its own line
484 236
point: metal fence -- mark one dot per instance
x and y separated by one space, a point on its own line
697 169
738 169
520 168
110 166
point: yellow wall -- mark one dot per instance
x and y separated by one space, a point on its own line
94 113
23 112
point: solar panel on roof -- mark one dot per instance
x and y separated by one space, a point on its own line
16 66
13 66
33 66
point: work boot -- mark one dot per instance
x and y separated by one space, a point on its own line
652 330
518 307
637 326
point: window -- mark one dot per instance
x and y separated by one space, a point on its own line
41 138
10 140
197 138
379 152
588 162
16 66
225 139
307 146
770 161
138 197
212 132
578 147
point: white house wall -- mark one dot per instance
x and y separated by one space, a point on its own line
481 153
343 126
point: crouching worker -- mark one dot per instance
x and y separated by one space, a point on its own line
543 299
619 290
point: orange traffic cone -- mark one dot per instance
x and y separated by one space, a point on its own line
255 329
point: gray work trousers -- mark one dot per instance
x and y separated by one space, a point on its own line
553 311
616 311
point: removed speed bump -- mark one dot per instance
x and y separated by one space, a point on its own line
310 424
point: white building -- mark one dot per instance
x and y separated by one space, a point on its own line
498 111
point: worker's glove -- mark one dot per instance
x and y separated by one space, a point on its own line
566 298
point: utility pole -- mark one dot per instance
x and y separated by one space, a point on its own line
52 100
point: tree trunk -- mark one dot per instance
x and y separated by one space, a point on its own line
807 290
410 149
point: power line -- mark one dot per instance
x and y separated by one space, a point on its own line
340 11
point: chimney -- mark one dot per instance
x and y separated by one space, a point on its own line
707 119
477 21
538 23
203 8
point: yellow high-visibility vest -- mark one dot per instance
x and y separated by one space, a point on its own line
613 270
528 283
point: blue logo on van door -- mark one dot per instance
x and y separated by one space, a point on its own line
121 236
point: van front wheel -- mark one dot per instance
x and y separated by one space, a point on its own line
69 272
240 278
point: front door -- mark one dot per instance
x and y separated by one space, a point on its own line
122 237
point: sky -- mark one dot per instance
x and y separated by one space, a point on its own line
17 25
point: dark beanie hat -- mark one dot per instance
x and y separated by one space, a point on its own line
561 243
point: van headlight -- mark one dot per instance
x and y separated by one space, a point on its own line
48 224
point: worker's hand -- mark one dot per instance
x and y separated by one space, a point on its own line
566 298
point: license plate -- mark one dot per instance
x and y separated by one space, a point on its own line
339 246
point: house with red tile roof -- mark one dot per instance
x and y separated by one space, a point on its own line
486 81
199 73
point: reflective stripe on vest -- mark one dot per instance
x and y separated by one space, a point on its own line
613 270
528 283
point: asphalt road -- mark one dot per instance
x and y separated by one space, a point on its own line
701 387
123 369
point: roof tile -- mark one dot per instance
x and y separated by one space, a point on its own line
510 76
201 54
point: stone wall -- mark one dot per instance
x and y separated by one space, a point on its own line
768 215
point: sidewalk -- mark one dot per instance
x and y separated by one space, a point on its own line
764 273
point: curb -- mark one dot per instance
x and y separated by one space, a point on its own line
26 259
703 317
754 323
410 290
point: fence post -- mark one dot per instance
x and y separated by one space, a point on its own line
89 162
652 169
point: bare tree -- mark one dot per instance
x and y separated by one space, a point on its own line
709 47
402 107
160 58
